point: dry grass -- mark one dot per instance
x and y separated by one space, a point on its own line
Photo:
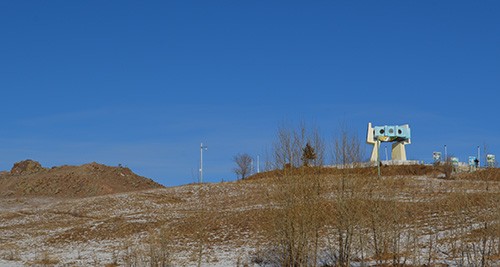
488 174
402 170
334 216
44 258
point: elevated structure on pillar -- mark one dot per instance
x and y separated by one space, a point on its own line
399 135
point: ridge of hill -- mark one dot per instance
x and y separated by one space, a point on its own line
387 170
29 178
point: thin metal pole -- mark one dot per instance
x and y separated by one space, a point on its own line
378 157
201 164
258 164
478 157
251 166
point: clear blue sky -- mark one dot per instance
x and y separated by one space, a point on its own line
143 83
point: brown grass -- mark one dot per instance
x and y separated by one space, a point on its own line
194 223
487 174
386 170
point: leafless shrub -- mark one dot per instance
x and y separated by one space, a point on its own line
447 168
298 220
44 258
156 251
114 259
159 253
364 220
130 255
266 257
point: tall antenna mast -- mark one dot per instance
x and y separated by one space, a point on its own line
258 163
251 166
200 180
478 157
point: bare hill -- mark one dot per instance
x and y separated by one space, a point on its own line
405 220
29 178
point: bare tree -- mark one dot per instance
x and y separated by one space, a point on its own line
243 165
347 148
288 146
290 142
282 148
318 143
297 226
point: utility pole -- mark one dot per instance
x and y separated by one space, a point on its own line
478 157
258 164
251 166
378 157
201 162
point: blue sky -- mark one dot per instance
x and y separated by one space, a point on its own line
143 83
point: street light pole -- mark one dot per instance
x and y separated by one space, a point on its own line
378 158
251 166
478 157
258 164
201 162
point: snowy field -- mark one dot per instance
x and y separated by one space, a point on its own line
239 223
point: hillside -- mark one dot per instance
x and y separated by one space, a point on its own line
405 220
29 178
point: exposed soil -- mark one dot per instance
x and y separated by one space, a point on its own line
29 178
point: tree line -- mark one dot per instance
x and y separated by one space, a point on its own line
304 146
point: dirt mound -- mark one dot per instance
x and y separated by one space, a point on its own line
26 167
29 178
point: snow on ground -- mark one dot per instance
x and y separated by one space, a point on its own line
6 263
129 227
